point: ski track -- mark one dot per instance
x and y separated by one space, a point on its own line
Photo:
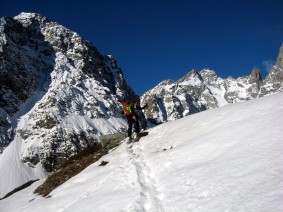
150 196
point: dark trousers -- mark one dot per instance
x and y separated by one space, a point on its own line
133 120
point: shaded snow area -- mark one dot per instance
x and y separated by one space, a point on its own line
14 173
227 159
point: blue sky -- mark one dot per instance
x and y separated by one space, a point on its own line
154 40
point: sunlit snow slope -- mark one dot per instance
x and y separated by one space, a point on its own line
226 159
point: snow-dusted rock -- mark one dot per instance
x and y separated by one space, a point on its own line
57 92
274 80
198 91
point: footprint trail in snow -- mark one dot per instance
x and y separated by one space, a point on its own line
150 196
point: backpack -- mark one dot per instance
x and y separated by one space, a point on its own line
128 109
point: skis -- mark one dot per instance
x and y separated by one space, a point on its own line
137 137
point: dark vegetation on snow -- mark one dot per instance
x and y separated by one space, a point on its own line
19 188
72 167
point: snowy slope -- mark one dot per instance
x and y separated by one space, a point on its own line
15 173
226 159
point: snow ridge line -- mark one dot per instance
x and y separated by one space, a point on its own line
150 196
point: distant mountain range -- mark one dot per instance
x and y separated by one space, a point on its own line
58 94
198 91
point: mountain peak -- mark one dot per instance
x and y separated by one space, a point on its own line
208 74
255 76
58 93
166 82
27 15
193 74
28 18
274 77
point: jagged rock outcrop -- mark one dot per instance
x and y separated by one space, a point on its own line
274 80
198 91
255 77
58 94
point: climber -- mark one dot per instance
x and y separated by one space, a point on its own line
129 111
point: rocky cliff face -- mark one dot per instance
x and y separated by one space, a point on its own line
58 94
274 80
198 91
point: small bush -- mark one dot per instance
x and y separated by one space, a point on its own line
82 154
72 167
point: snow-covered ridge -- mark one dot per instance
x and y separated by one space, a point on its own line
199 91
